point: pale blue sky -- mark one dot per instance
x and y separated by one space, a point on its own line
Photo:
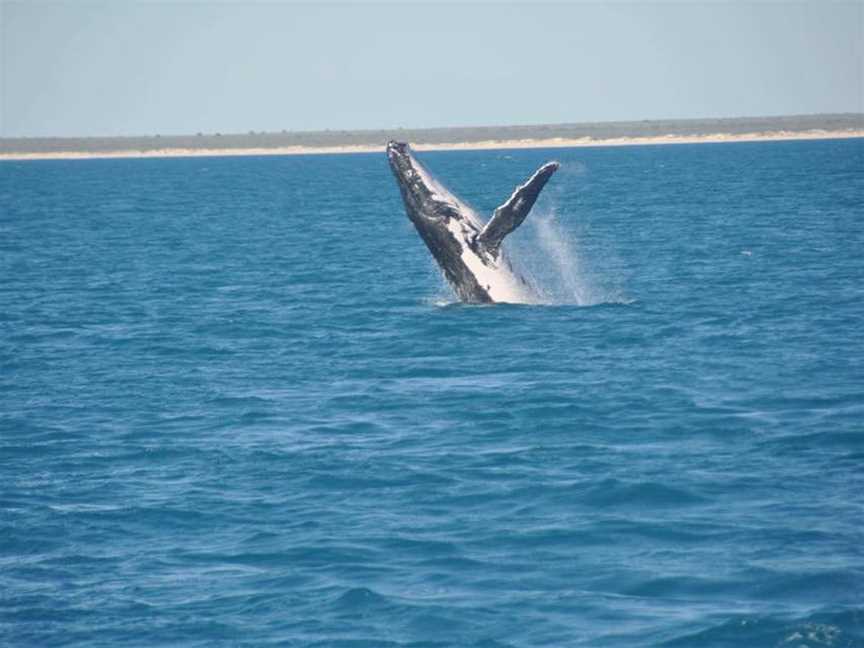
120 67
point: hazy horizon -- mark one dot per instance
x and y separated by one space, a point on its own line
142 69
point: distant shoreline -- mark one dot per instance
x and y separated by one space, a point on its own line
625 133
557 142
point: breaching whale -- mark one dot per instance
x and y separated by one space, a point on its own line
467 250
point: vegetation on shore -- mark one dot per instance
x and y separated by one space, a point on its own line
838 123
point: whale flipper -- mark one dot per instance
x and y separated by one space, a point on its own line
510 215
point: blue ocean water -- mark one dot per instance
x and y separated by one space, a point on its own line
239 407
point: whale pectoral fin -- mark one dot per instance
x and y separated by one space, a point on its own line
510 215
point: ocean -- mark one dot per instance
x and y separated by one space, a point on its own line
239 406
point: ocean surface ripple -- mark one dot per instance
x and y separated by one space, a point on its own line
239 407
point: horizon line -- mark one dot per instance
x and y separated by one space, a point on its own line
259 133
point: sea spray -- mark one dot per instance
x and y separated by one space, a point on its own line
560 267
553 253
567 282
552 256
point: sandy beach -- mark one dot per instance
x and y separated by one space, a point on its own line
557 142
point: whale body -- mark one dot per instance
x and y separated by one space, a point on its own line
467 250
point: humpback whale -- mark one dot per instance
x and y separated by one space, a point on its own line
467 250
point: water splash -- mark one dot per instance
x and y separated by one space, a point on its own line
441 299
550 257
567 282
559 268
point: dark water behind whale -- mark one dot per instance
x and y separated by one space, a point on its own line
238 408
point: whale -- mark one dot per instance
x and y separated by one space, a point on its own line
468 250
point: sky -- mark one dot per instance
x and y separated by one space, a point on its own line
122 67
